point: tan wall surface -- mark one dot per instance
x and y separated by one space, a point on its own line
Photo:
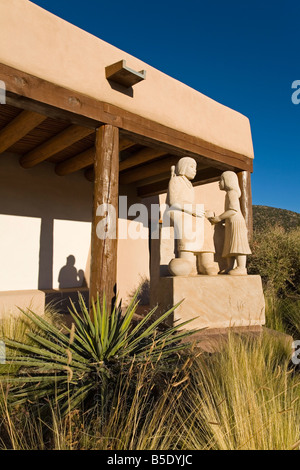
44 219
37 42
12 301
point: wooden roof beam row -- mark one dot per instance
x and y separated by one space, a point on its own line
150 173
52 146
18 128
204 176
34 94
86 159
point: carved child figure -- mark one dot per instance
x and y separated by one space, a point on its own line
236 246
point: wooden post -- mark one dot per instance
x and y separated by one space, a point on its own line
105 219
246 199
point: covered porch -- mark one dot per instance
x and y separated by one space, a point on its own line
107 145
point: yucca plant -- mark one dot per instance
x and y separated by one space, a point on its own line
74 368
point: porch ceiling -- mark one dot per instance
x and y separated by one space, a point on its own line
43 122
37 138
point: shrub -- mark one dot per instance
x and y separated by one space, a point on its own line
244 397
283 314
276 257
80 367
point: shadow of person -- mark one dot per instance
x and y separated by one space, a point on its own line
81 281
68 275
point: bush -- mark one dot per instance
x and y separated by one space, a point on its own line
80 367
244 397
276 257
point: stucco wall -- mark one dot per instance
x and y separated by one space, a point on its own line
44 219
37 42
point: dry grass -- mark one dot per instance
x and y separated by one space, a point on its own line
245 397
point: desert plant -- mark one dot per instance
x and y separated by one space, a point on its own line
245 397
276 257
138 416
76 367
283 314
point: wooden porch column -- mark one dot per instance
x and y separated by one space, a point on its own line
246 199
106 191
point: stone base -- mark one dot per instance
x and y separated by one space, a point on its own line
217 301
12 301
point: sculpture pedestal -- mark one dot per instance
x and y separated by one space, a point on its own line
217 301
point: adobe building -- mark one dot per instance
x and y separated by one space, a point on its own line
84 122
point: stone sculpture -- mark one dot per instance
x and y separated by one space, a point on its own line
184 214
236 246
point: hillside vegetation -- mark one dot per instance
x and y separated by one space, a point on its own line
276 250
264 216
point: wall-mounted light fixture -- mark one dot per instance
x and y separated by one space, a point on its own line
120 73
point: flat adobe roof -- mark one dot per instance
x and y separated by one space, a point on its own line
37 42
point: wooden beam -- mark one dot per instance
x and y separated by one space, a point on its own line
76 163
84 159
165 176
246 200
146 171
142 156
154 179
58 143
161 175
28 104
106 192
90 174
52 98
18 128
153 189
125 144
204 176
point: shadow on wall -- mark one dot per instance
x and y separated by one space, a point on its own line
144 291
40 193
69 276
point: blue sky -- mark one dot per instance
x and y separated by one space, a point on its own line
243 54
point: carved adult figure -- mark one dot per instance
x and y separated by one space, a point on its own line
183 215
236 246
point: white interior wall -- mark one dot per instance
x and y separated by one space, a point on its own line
44 219
19 252
70 238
